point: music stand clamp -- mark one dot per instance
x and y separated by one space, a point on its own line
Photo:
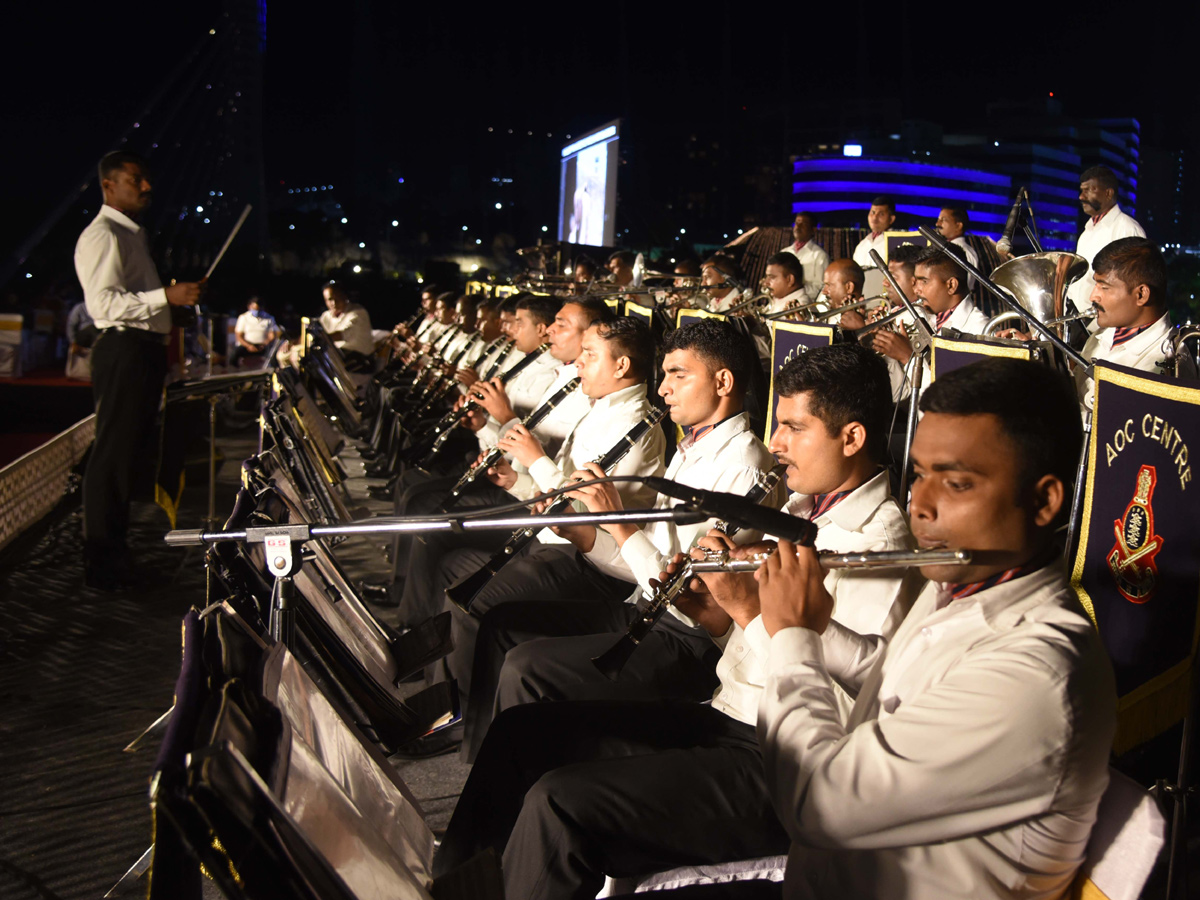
280 543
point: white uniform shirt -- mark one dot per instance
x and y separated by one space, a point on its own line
523 391
733 298
972 257
120 283
797 297
729 458
815 261
876 241
561 421
255 327
1094 238
972 763
355 325
870 602
1143 351
966 317
607 421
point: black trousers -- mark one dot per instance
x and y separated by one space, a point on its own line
537 651
571 792
127 381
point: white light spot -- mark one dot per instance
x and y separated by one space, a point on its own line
478 241
199 209
499 206
357 269
395 222
344 220
545 228
206 221
361 245
291 228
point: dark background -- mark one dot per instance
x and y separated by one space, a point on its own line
361 93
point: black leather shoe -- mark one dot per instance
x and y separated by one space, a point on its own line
381 491
440 743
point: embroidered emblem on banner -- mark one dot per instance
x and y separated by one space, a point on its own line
1132 557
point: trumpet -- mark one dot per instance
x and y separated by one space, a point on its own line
758 301
720 561
857 304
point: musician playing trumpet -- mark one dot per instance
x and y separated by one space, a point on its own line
785 282
715 274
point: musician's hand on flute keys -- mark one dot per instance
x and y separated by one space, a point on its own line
891 344
735 593
521 445
791 588
695 601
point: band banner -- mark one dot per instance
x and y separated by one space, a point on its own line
955 350
645 313
686 315
1135 569
613 303
788 340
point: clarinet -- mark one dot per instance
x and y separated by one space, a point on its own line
434 360
453 419
499 360
531 422
442 383
464 591
613 660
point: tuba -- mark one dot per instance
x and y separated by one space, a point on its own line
1039 282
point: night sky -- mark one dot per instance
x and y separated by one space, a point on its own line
414 87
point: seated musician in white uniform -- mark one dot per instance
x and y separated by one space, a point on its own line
715 275
1130 299
785 282
349 327
707 367
880 217
976 754
843 283
574 791
487 325
812 255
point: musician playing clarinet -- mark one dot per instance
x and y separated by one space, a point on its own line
574 791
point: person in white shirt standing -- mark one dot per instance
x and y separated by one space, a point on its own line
1130 299
974 759
253 331
880 217
131 311
1106 223
349 327
812 255
574 791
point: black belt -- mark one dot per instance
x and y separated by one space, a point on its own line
150 337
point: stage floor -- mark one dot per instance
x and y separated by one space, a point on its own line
83 673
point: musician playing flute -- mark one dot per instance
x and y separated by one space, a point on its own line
974 758
574 791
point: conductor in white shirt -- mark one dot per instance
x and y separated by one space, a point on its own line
131 310
973 761
1106 223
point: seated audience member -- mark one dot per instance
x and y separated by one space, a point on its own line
976 753
576 790
812 255
254 330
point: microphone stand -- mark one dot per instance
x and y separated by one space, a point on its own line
281 542
924 345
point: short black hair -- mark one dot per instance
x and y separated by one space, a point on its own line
335 288
959 214
790 264
1102 175
594 308
431 289
583 261
946 265
1037 407
632 338
725 264
885 200
544 309
907 255
1135 260
812 219
450 298
626 257
845 383
721 344
113 162
509 303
